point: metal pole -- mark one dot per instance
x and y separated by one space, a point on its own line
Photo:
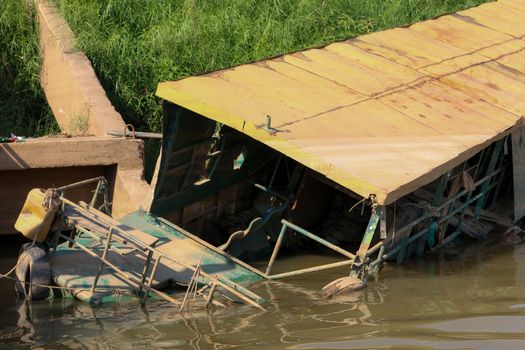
80 183
318 239
151 278
376 246
275 170
95 195
130 279
276 249
138 134
219 156
369 234
490 169
210 295
104 257
310 269
146 267
436 201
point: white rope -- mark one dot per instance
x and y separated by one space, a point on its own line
355 205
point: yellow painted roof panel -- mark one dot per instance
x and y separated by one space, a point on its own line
515 4
498 17
383 113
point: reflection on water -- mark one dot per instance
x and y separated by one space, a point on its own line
457 299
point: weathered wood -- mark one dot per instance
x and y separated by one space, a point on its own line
518 169
342 285
93 218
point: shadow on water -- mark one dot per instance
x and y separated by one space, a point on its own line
460 298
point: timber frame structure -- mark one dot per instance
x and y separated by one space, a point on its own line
421 125
194 188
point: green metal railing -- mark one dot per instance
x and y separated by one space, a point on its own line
351 257
453 206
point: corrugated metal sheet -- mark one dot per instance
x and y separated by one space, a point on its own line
383 113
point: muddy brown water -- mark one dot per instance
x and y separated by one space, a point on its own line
459 298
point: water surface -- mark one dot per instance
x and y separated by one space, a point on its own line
470 298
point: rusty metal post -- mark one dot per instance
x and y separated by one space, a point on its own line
80 183
151 278
360 257
104 257
276 249
146 267
430 238
95 195
210 294
490 169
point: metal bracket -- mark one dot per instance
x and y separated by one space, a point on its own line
268 126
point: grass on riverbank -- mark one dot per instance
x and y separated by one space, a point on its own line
135 44
23 108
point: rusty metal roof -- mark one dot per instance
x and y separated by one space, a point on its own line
383 113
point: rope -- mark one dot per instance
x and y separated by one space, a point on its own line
355 205
6 275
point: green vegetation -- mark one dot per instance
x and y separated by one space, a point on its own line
135 44
23 108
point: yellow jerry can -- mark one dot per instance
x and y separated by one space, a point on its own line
37 216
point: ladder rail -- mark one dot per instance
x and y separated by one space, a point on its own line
231 287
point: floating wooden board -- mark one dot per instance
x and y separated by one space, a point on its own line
75 269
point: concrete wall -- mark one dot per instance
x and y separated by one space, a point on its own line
81 107
55 161
78 101
16 184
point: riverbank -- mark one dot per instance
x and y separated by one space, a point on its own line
23 107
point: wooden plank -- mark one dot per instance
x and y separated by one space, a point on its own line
73 268
518 170
95 218
498 17
514 4
407 47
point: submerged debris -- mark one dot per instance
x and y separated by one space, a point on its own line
342 285
103 258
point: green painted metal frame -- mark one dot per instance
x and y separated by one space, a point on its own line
358 268
490 169
425 237
285 225
436 201
354 260
238 271
169 129
398 249
236 289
